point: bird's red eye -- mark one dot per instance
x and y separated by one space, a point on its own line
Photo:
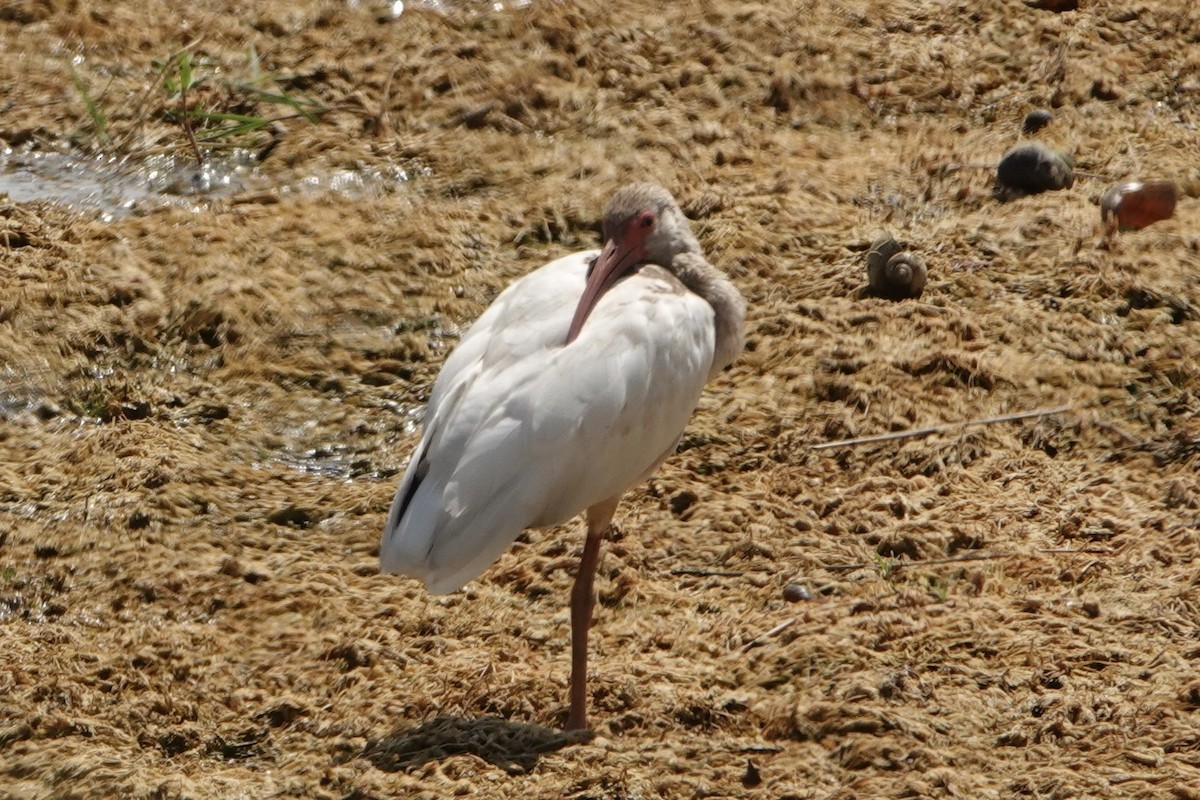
646 219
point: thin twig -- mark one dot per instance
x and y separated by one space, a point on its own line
707 573
381 124
922 563
916 433
760 748
1154 662
758 641
1099 551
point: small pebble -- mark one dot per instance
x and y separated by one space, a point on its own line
1033 168
795 593
1036 120
1133 205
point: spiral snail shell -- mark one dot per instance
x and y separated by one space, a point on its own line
894 272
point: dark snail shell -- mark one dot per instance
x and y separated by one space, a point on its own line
796 592
1033 168
894 272
1036 120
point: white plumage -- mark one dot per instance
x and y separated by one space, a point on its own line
522 431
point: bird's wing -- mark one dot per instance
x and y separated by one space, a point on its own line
524 319
526 431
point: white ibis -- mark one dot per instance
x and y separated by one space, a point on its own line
574 385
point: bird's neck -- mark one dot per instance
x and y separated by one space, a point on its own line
729 307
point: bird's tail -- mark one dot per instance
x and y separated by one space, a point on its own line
449 548
408 535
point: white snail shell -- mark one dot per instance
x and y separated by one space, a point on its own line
893 271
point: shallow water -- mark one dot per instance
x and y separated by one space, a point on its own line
365 181
112 187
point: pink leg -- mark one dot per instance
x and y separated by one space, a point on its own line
599 517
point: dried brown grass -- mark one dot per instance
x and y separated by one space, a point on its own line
202 415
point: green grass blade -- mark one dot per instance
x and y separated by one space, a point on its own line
185 71
308 109
251 125
99 121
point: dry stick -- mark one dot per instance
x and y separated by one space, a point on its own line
759 640
1099 551
916 433
707 573
922 563
385 97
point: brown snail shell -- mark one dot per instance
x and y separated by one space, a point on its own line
1133 205
894 272
795 592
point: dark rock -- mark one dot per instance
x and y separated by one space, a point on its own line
1032 169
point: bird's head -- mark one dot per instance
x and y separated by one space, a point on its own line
642 225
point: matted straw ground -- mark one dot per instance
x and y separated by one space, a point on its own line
202 414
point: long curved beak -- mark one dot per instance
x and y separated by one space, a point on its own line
613 262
